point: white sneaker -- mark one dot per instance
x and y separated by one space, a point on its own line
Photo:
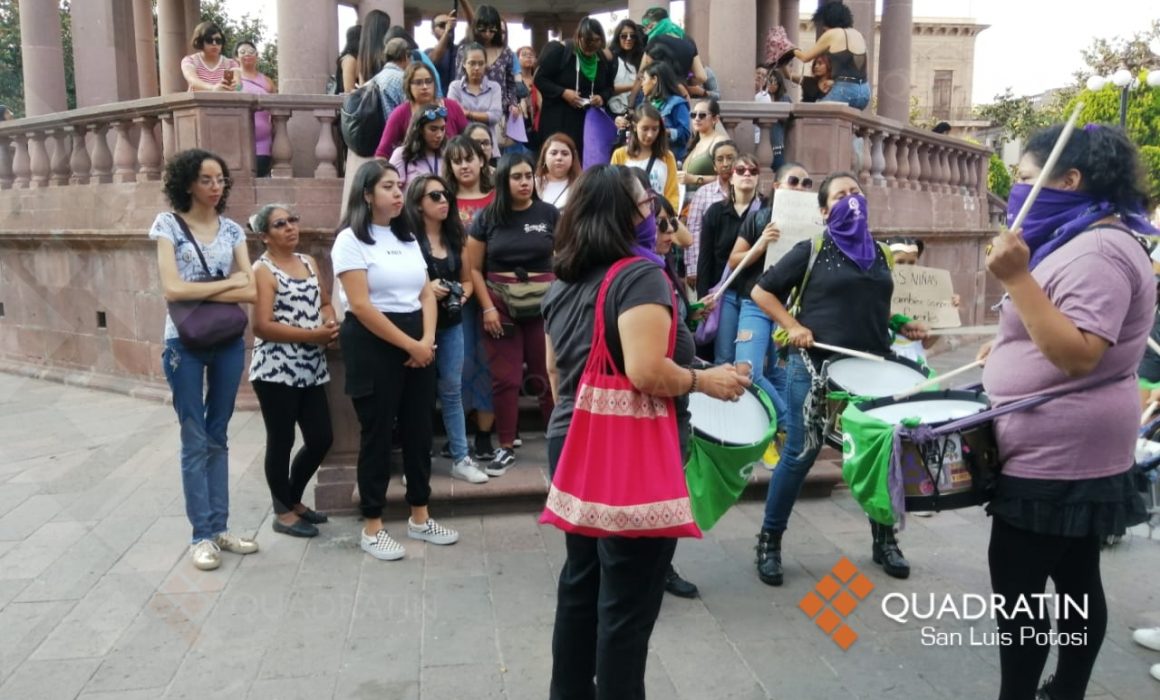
206 555
382 546
432 532
504 459
238 545
1148 637
467 470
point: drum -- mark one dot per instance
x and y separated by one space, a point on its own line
956 470
866 378
728 437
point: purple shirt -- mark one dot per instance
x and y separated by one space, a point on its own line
1102 281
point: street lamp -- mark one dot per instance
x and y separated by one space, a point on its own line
1124 82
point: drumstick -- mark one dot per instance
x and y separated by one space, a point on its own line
848 351
966 330
1048 166
733 275
934 381
1154 345
1148 411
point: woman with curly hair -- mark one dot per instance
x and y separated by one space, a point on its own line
423 148
202 256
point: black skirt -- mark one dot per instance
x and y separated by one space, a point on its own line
1098 507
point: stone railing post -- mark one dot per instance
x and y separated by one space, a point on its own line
325 151
763 149
38 159
890 152
6 152
62 145
944 170
148 154
167 147
877 158
21 168
80 164
282 152
862 157
102 157
916 166
903 146
124 154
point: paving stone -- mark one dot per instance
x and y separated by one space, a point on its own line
25 626
451 682
26 518
36 552
94 624
311 688
48 680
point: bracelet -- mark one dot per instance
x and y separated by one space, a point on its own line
693 374
490 311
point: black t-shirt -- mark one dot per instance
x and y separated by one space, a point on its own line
843 304
570 312
525 241
719 230
1150 363
448 268
750 231
677 52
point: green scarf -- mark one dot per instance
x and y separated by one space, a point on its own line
658 103
663 27
587 65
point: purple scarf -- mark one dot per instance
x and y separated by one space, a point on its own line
646 240
1057 216
849 226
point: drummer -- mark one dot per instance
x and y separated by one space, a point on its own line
1079 303
845 303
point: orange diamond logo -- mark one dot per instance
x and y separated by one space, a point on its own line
844 586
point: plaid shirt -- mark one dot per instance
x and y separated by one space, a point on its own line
703 198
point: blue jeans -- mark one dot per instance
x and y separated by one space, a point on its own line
755 346
724 347
857 95
476 375
791 470
449 373
204 385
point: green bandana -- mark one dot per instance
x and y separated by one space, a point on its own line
587 65
663 27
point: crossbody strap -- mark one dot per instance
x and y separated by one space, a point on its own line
189 234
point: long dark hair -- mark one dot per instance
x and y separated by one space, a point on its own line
415 141
714 110
350 48
460 148
499 212
488 15
633 57
661 145
824 187
749 160
667 84
596 227
1107 161
371 42
452 227
359 214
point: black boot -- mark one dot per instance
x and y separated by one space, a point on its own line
769 557
886 551
678 586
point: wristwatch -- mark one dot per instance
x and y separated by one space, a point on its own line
701 180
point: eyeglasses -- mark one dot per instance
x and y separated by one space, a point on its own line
423 82
247 52
438 196
628 36
283 223
742 170
486 29
664 224
211 181
434 113
218 40
699 115
476 64
794 181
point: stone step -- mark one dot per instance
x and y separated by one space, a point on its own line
522 489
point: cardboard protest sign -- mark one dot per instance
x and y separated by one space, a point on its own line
925 294
798 217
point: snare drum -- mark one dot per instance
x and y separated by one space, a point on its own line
866 378
728 437
952 471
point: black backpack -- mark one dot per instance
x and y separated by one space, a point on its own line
362 120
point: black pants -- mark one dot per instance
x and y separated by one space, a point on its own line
383 389
607 604
283 406
1021 562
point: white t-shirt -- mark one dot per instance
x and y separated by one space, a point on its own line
910 349
658 177
396 271
555 192
762 96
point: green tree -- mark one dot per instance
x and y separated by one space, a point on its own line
1020 116
1106 56
998 176
1150 155
12 61
247 27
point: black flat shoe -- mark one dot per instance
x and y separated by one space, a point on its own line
313 517
678 586
300 528
769 558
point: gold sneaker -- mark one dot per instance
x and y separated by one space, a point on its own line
238 545
206 555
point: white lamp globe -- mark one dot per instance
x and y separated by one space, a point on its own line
1096 83
1154 45
1122 78
1153 78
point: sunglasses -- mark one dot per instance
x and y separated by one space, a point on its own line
434 113
794 181
283 223
628 37
665 224
438 196
742 170
440 25
486 29
218 40
699 115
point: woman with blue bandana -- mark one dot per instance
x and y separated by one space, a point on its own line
845 302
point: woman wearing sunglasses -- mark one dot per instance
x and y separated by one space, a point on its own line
208 69
573 76
293 324
627 50
704 117
422 150
420 93
500 66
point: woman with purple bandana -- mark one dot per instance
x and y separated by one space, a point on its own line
1074 321
846 302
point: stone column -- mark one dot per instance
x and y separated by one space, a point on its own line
697 27
538 24
304 24
732 45
789 16
103 43
767 17
394 8
146 51
43 57
894 61
637 8
192 17
172 44
864 22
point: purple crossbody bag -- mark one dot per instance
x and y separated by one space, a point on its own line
205 324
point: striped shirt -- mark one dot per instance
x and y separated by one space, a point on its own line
211 76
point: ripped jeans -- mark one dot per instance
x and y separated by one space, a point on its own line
755 346
204 385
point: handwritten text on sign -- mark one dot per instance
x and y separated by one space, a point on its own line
924 294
